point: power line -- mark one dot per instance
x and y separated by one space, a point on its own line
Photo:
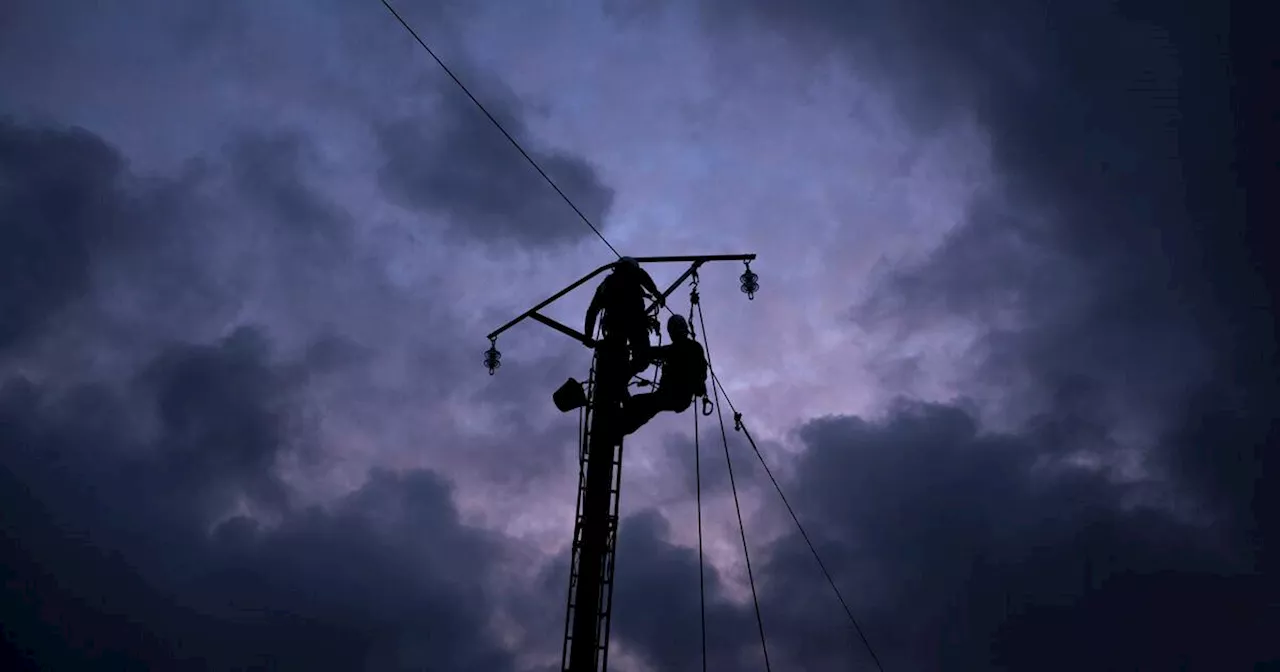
740 425
523 153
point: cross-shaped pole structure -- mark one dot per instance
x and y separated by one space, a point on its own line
587 617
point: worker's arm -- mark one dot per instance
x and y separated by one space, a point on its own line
593 311
647 282
659 353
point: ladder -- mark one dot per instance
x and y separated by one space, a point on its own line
604 608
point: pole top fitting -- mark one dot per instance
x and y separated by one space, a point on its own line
750 282
492 358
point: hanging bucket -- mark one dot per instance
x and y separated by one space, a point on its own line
570 396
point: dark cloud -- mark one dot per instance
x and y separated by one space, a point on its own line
698 463
61 200
457 164
153 253
217 406
130 259
678 453
134 261
962 549
269 171
1119 288
957 548
1113 268
124 550
148 519
656 611
657 603
1134 299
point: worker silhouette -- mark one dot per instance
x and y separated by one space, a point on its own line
625 321
684 377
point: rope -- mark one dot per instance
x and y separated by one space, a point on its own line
742 530
697 474
500 128
740 426
702 586
657 364
718 388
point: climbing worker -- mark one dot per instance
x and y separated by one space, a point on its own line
621 297
684 377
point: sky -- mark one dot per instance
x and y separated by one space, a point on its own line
1012 360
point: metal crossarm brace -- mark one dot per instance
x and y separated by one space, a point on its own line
567 331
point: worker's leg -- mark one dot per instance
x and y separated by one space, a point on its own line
638 335
642 408
612 368
676 403
639 410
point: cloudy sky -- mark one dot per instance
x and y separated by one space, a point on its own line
1012 359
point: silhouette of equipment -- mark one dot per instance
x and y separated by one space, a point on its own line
605 416
749 283
600 452
570 396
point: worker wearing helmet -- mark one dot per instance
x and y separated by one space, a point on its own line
621 297
684 377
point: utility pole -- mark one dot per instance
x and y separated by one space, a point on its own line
590 602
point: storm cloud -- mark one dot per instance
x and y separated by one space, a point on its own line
458 164
965 549
1123 318
62 202
126 551
1012 361
149 518
956 548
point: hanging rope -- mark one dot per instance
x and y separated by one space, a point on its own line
718 389
702 585
738 425
742 530
697 475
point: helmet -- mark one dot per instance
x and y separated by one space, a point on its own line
676 324
628 264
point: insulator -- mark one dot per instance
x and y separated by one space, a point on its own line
750 284
492 358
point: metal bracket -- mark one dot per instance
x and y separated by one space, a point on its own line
568 331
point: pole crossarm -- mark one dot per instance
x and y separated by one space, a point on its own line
703 258
560 327
533 313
